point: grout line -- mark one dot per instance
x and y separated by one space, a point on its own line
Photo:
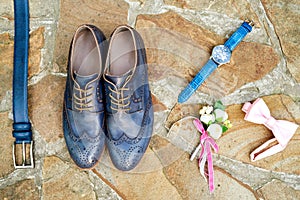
109 184
254 192
235 167
270 29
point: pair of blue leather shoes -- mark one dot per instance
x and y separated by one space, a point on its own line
107 98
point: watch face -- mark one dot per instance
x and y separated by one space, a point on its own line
221 54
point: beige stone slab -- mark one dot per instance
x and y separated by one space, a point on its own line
45 101
146 186
148 163
180 111
235 9
105 14
7 56
63 182
165 151
185 176
284 15
6 62
38 10
6 164
25 190
37 42
146 181
177 47
184 135
174 46
239 141
278 190
158 106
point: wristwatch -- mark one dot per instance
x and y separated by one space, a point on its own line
221 54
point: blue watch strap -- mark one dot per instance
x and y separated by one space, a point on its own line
231 43
238 36
206 70
21 126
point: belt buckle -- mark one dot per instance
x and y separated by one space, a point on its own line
24 164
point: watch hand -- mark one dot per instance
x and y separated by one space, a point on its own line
221 54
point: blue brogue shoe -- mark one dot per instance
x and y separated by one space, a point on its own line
129 111
83 109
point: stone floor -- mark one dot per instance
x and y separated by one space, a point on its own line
179 36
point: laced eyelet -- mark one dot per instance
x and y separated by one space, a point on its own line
83 100
120 101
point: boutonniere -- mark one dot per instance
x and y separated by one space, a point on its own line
213 121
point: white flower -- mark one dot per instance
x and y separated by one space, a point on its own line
206 110
203 110
206 118
209 109
215 131
220 115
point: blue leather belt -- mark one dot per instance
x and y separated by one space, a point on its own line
21 125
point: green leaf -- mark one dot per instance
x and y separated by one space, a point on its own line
224 129
219 105
220 119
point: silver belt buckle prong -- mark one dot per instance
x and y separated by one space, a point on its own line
24 164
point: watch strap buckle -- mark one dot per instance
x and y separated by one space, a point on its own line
27 163
250 22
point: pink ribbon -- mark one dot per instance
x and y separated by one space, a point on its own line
283 130
206 143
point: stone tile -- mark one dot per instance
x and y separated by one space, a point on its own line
244 137
6 164
60 181
38 9
25 190
184 135
105 14
7 52
179 48
7 16
284 15
146 186
177 3
149 163
234 9
185 176
45 101
173 44
180 111
159 126
158 105
278 190
165 151
47 9
146 181
166 90
6 63
35 46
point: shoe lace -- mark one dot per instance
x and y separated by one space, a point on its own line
82 98
120 101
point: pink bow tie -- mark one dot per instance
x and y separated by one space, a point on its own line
283 130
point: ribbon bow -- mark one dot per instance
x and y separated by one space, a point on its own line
206 142
283 130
